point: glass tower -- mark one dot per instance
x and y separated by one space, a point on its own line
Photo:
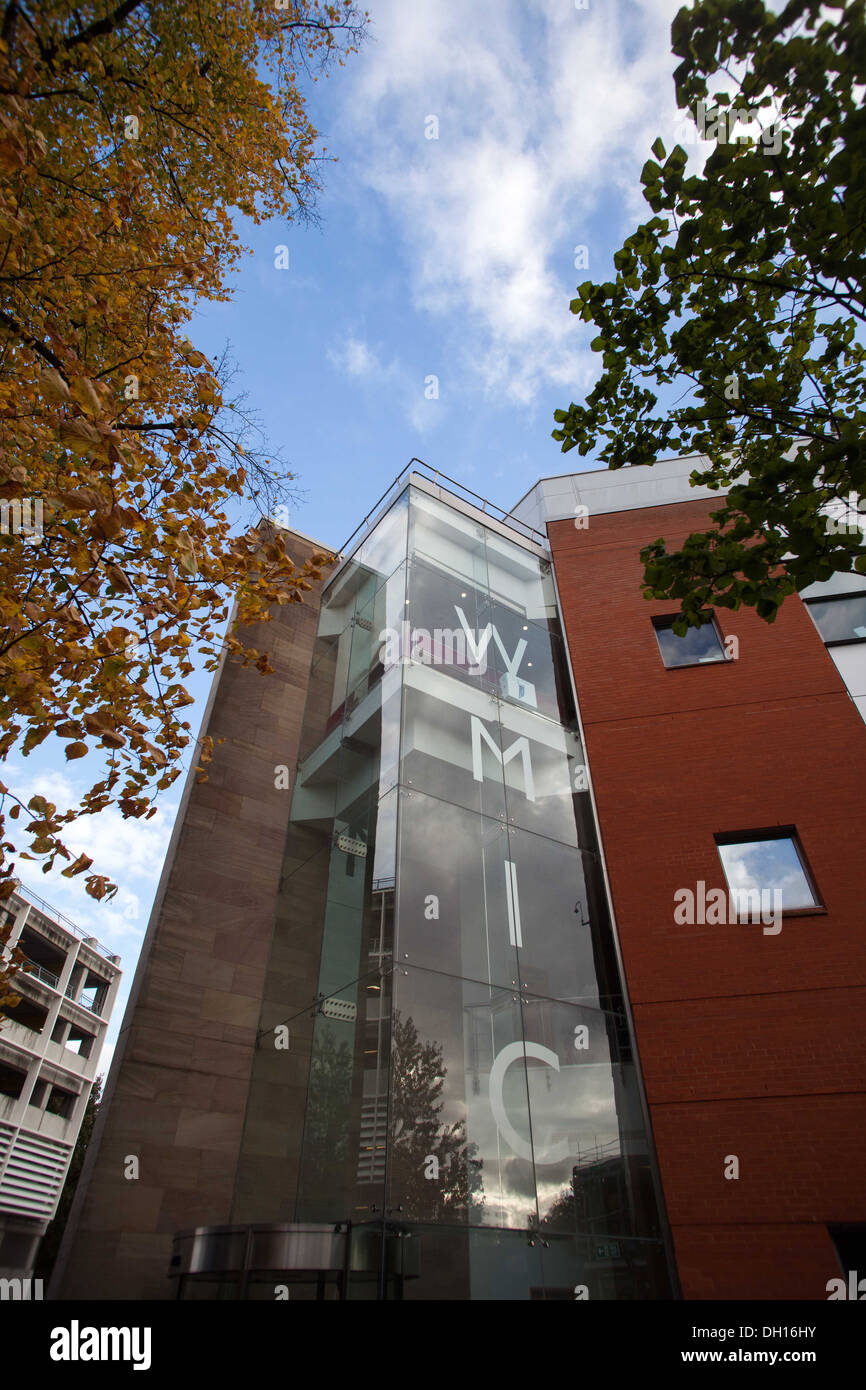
457 1091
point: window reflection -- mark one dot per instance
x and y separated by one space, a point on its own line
697 646
841 619
760 868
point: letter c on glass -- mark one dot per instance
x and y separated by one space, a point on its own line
556 1152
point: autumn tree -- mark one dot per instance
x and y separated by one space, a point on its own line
129 137
11 961
733 328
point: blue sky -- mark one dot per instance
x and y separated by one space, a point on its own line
451 258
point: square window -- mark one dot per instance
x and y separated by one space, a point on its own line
699 646
841 619
759 864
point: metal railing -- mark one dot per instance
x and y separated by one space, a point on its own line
31 968
54 914
458 490
83 1004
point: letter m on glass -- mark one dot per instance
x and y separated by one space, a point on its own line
520 747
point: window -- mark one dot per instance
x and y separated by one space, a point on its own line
28 1012
61 1102
700 644
12 1079
768 867
841 619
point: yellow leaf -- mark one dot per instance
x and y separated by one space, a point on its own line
82 390
79 436
53 387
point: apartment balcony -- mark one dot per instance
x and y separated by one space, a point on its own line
40 973
93 1006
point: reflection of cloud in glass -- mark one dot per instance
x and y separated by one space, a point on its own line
698 644
386 841
387 542
767 865
576 1104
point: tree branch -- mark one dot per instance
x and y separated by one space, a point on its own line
103 26
33 343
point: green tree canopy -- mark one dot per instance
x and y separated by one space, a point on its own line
733 329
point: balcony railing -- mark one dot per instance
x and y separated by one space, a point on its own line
31 968
93 1007
54 915
447 484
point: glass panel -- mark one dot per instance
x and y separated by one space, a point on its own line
375 625
759 870
358 757
529 664
586 1125
842 619
594 1268
470 1263
557 918
449 625
385 547
454 907
451 742
544 770
343 1157
520 580
459 1140
326 691
448 539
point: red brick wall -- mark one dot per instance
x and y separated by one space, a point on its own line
750 1044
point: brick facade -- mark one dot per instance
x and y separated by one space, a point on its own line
750 1044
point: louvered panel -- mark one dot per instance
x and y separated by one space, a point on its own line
34 1174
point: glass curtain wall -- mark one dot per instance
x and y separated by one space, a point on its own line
471 1111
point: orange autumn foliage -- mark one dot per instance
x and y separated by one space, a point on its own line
129 135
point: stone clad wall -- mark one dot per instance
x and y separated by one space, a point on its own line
177 1090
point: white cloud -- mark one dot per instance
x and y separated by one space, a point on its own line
124 850
355 358
542 115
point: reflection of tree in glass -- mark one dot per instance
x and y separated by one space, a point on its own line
326 1126
561 1215
419 1136
596 1200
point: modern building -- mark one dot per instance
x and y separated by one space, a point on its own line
50 1042
514 947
